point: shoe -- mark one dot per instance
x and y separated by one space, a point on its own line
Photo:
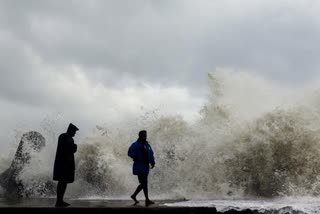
135 200
149 202
62 204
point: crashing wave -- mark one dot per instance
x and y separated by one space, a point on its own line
252 138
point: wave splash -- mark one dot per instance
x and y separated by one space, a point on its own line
253 138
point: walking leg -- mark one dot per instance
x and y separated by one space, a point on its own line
145 191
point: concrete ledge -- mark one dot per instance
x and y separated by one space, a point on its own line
117 210
78 206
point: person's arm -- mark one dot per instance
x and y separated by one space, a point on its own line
132 152
152 161
74 147
70 146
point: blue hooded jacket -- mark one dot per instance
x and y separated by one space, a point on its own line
140 167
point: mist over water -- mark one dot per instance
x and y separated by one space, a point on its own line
254 137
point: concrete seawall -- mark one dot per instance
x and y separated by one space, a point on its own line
46 206
117 210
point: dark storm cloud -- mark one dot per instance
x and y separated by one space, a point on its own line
168 42
128 38
55 55
172 43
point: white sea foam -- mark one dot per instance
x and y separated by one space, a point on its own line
278 205
253 138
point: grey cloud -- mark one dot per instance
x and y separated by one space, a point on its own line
16 72
168 42
128 43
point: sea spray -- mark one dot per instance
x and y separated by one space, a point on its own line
252 138
278 154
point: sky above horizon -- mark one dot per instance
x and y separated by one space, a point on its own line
96 62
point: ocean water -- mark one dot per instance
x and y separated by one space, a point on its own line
253 138
279 205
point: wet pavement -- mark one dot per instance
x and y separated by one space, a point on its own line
87 203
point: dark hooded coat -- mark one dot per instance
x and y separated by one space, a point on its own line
64 165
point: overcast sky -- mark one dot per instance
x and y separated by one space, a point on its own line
98 61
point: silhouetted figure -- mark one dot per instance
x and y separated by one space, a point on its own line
64 166
142 155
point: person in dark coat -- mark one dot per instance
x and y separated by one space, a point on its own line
64 166
142 155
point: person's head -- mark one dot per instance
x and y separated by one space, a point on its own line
143 135
72 130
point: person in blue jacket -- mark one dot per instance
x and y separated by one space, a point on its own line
142 155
